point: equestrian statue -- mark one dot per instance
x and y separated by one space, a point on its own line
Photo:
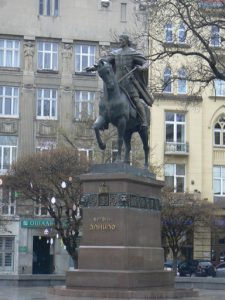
125 101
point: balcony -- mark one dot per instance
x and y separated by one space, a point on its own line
175 148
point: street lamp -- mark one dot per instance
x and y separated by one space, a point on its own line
63 184
53 200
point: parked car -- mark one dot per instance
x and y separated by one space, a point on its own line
222 256
187 267
220 270
168 265
204 269
200 268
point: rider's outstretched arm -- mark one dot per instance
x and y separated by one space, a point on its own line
91 69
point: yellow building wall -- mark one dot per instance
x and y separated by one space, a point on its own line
200 121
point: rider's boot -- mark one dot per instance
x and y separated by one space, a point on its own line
142 114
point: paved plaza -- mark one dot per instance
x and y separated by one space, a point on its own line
41 293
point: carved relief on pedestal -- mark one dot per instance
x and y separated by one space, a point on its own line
8 126
120 200
28 56
66 57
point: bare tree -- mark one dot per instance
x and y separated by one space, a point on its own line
51 179
180 215
190 29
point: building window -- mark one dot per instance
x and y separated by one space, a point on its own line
40 209
175 177
215 40
47 56
182 81
219 87
6 253
123 10
49 8
167 81
219 132
84 105
181 34
84 57
8 152
9 101
219 180
41 7
86 154
47 104
169 33
175 127
8 202
9 53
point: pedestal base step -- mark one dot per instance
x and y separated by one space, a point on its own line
151 293
121 279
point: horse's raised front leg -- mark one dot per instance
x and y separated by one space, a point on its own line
121 127
99 124
127 142
144 137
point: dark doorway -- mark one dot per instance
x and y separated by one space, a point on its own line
42 260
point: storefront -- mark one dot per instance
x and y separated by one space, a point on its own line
40 249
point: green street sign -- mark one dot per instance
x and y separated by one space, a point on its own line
23 249
37 223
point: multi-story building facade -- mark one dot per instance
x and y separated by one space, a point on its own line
187 131
44 91
45 46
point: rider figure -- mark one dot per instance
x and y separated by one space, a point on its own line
124 60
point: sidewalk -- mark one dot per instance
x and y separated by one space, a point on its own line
41 293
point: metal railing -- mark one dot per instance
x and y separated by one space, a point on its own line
176 148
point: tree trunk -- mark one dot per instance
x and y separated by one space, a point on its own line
175 263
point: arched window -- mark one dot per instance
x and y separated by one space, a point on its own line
167 80
219 132
182 81
181 34
169 33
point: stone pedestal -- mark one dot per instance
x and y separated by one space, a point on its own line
120 253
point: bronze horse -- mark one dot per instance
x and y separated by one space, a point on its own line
115 107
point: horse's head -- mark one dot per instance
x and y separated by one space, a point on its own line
105 71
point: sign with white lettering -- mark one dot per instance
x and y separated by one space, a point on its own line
37 223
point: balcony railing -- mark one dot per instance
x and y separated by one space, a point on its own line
176 148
